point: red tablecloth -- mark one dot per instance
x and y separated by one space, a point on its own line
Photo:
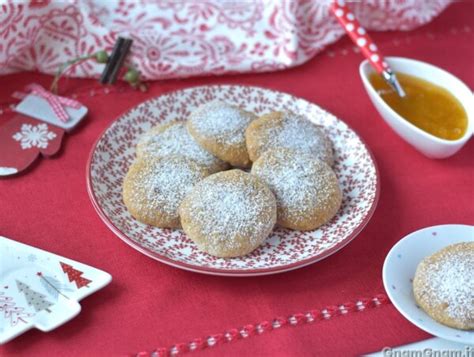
150 305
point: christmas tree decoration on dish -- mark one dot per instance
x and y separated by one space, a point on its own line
34 298
53 286
41 290
11 312
75 275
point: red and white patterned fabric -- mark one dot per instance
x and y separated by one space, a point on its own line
151 306
175 38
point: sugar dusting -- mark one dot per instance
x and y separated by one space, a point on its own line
229 209
298 133
162 184
175 140
449 280
221 121
298 181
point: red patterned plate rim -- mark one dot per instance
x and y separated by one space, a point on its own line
228 272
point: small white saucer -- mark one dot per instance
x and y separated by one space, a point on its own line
400 266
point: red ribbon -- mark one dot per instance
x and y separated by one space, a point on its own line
56 102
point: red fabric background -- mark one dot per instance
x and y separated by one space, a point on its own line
149 304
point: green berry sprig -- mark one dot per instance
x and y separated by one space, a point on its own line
101 56
132 75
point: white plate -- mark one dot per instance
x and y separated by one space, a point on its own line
41 290
285 249
400 266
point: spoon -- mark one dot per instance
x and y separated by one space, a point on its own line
368 48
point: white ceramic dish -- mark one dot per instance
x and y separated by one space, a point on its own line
400 266
285 249
41 290
429 145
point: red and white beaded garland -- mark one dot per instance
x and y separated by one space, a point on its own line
250 330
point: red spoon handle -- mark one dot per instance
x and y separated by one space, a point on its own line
360 37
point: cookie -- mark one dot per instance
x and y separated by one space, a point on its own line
173 139
220 129
306 189
154 188
228 214
444 286
287 130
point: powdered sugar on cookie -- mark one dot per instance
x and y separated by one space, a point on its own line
221 121
167 183
448 281
174 139
291 131
232 213
297 182
305 188
154 188
300 134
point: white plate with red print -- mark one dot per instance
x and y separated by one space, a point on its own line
284 249
400 267
41 290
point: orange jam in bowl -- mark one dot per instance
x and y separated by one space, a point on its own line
426 105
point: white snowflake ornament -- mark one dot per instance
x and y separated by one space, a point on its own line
38 128
34 136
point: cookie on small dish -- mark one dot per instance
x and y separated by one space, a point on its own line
444 285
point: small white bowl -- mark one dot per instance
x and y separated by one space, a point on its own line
430 145
400 266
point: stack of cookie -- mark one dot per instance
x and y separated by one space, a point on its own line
181 177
